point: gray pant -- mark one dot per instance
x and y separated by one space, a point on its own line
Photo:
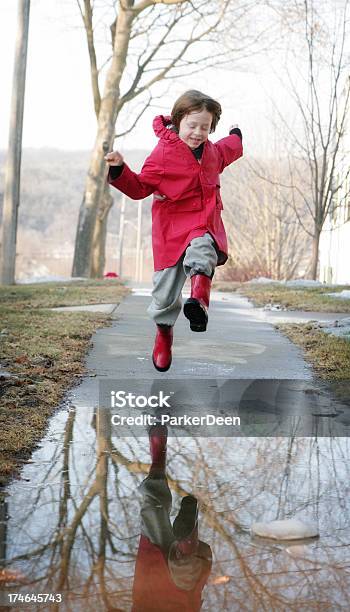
156 507
200 257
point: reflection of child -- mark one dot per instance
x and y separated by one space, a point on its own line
172 564
188 235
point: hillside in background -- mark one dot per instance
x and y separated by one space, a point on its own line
52 185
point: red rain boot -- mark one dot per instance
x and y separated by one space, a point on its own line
158 435
162 348
196 307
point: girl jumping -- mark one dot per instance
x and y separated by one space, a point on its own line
188 235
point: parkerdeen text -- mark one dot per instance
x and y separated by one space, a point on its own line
176 421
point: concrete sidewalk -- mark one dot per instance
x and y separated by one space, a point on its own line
238 344
241 361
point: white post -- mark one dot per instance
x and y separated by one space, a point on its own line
141 266
13 165
138 240
121 234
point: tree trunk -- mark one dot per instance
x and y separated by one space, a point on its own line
13 166
314 256
104 140
98 259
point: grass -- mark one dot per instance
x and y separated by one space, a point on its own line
43 350
293 298
221 285
329 355
50 295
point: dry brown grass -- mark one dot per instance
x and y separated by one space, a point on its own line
329 355
43 350
311 299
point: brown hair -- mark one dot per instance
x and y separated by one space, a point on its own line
191 101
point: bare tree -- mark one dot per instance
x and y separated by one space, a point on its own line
265 238
322 102
151 41
13 167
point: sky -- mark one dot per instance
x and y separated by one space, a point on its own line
58 109
58 101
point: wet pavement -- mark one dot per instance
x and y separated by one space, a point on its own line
78 525
299 316
237 344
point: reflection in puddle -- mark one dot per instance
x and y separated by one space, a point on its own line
72 524
173 564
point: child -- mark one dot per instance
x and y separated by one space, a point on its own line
188 236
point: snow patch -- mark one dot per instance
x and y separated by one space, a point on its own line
304 283
49 279
288 529
339 328
300 282
341 295
264 281
275 307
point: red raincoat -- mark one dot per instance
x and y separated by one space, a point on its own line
154 589
186 202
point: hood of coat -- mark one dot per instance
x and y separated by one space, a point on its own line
162 128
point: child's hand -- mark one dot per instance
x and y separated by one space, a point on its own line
114 158
234 129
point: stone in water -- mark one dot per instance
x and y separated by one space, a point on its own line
287 529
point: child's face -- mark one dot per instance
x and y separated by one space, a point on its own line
195 127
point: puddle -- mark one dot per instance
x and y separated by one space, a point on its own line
71 526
